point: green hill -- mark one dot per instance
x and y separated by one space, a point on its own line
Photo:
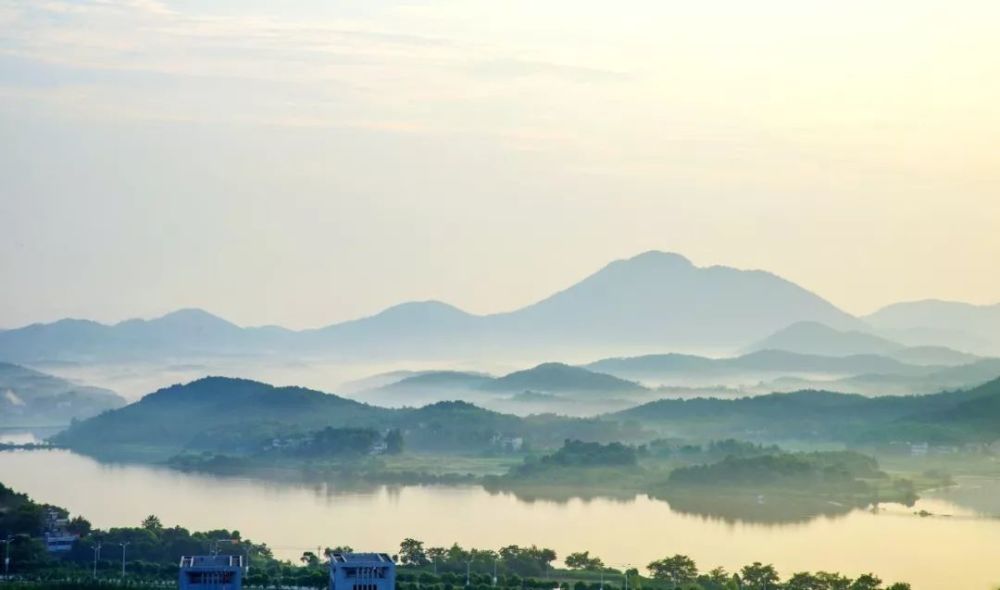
32 398
559 377
174 416
239 416
973 419
823 415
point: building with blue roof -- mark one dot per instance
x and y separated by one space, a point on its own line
211 572
362 571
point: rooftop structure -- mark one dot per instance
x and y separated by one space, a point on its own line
211 572
362 571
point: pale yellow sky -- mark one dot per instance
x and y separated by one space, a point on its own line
304 162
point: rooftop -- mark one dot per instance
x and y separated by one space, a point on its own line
360 558
212 561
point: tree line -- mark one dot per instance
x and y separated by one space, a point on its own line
151 552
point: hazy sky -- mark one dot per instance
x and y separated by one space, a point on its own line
307 161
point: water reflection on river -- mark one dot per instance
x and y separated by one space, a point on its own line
933 553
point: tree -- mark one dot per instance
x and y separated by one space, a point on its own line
583 561
411 552
79 526
544 555
867 582
804 581
338 549
436 554
632 575
760 577
456 554
830 581
152 523
718 576
526 561
900 586
309 558
394 442
679 569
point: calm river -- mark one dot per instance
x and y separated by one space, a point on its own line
957 548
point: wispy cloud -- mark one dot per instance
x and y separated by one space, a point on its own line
145 59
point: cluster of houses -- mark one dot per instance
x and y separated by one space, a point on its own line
348 571
57 537
507 444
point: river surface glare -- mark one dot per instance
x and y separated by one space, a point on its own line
958 548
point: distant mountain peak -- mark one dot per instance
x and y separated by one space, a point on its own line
659 257
553 376
810 337
190 313
189 316
428 305
649 262
195 317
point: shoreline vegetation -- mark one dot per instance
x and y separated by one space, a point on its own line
830 460
727 470
154 550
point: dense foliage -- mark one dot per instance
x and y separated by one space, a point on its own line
837 469
242 417
951 417
152 551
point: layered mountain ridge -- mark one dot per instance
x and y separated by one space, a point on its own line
654 302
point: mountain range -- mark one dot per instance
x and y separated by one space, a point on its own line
548 387
31 398
613 383
653 302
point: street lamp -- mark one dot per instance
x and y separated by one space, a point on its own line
6 556
124 545
97 555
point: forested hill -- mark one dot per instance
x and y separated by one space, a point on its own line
174 415
958 416
232 415
235 415
557 377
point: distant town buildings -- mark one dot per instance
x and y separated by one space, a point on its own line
211 572
510 444
362 571
57 538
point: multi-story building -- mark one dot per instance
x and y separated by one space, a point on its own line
211 572
362 571
56 536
